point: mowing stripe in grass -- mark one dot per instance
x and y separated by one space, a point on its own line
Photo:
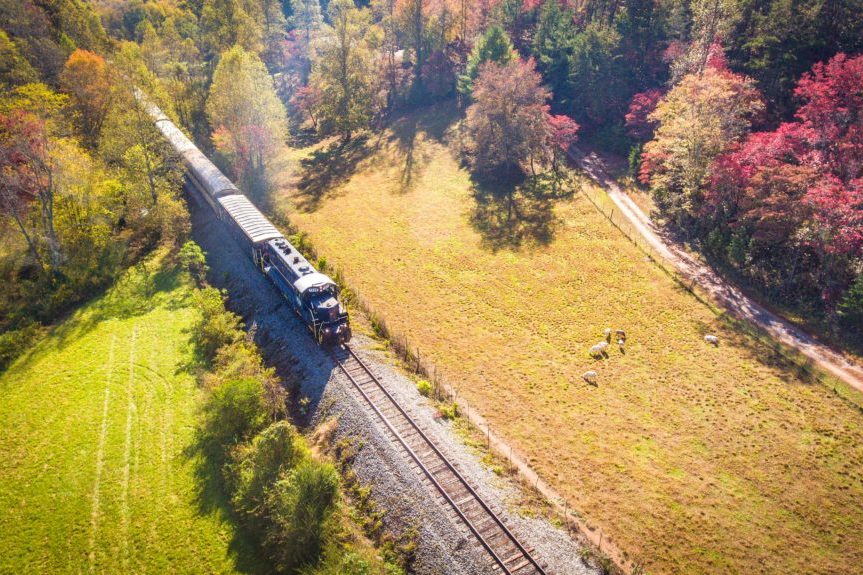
100 457
130 408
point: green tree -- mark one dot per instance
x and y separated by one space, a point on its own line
850 309
227 23
129 140
776 41
553 45
341 70
234 412
493 46
248 118
193 259
14 68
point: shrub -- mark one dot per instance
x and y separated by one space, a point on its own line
258 465
16 342
193 259
217 327
300 507
424 387
234 412
342 563
448 410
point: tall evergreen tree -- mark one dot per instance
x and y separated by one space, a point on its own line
494 46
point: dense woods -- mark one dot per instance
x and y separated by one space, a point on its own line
742 117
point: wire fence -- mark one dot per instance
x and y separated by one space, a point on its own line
804 367
443 391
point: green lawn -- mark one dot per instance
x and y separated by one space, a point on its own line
97 472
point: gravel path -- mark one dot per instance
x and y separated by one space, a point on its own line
727 295
444 546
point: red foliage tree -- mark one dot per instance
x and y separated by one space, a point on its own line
563 133
800 187
638 122
26 175
307 100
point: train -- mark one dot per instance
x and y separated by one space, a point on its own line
313 295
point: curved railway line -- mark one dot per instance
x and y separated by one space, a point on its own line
508 555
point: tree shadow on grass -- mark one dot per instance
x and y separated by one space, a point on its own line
432 123
211 498
517 212
137 292
327 168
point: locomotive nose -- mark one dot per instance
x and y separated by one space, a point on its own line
328 310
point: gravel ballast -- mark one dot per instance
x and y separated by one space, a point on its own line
444 545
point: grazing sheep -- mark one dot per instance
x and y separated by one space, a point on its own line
712 339
599 349
589 377
620 343
620 334
607 333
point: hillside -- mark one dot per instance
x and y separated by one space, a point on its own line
504 294
97 470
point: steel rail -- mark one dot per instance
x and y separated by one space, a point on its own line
510 538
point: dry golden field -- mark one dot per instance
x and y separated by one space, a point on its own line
691 458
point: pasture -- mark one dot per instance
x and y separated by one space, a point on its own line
692 458
97 474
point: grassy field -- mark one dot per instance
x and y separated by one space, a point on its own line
96 425
692 458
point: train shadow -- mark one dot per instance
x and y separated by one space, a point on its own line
516 212
329 167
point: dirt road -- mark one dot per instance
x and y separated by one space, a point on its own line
726 295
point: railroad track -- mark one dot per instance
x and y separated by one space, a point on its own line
507 553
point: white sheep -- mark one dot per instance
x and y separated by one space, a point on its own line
589 377
607 333
599 349
712 339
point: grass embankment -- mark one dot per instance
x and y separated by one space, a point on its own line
693 458
96 474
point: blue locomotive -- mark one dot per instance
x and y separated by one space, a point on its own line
313 295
